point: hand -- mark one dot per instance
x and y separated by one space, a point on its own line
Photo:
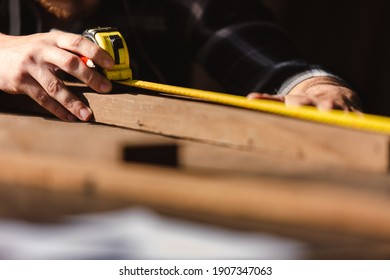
29 65
325 93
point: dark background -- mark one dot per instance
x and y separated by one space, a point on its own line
350 38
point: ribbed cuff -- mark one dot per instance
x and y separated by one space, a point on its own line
290 83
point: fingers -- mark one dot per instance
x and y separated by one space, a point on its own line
30 63
55 97
74 66
65 56
33 89
323 102
290 101
82 46
256 95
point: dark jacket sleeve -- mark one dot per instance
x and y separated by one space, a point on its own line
239 44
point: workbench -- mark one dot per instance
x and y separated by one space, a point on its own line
323 185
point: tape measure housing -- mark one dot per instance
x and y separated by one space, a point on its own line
111 40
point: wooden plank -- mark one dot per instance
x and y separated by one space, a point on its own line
28 135
34 134
244 129
299 203
268 135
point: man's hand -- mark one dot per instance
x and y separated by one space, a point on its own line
30 64
323 92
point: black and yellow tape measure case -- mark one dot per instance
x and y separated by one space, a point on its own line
111 40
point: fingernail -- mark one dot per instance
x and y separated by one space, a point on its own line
85 113
108 63
105 86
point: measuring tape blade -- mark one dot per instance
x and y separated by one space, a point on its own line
353 120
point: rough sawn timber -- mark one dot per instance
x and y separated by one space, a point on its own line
264 134
271 135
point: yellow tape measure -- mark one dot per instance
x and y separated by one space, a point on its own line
112 41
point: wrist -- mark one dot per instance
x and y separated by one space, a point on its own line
305 86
